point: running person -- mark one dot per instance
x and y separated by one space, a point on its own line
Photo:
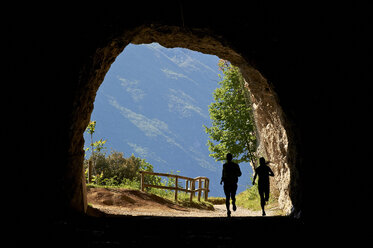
264 173
230 174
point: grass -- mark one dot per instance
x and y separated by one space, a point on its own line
183 199
216 200
250 199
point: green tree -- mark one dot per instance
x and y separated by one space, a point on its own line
96 148
91 128
233 127
149 179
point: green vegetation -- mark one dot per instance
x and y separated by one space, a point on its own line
183 199
116 171
97 146
233 126
250 199
233 130
217 200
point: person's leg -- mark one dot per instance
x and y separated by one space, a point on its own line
227 198
228 211
233 196
266 192
262 199
234 202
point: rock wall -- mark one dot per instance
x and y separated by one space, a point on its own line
273 137
302 66
269 116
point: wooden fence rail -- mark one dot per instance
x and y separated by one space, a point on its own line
190 184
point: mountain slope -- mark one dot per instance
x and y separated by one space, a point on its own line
153 103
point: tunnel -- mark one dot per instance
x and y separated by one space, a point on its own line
291 61
270 119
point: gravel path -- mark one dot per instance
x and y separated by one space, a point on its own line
220 211
129 202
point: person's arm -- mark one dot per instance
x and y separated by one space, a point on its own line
222 176
270 172
239 173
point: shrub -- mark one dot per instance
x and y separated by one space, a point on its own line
115 170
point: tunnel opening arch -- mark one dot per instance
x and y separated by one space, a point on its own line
276 140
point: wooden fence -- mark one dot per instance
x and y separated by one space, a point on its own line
190 184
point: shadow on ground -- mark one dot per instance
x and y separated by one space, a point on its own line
177 231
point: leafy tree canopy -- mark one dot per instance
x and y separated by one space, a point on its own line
233 127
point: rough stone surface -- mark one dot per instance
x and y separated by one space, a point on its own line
269 116
273 137
303 67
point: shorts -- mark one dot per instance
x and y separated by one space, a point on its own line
230 189
264 191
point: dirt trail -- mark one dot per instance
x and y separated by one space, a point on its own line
136 203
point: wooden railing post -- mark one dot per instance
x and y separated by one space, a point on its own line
142 181
190 184
207 182
176 187
199 189
192 190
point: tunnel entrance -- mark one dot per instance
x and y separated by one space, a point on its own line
275 137
153 104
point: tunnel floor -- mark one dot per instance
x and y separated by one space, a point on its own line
174 231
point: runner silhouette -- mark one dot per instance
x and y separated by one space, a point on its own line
230 174
263 183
